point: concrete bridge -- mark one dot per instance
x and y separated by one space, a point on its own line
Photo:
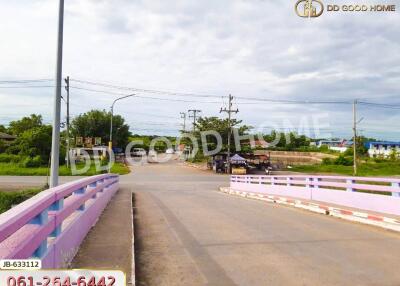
187 233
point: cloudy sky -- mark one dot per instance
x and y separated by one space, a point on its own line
252 49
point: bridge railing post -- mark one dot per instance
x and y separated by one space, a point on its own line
397 186
316 186
101 182
288 180
41 219
57 206
92 186
309 182
350 183
81 191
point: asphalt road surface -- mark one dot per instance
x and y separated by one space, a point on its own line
187 233
21 182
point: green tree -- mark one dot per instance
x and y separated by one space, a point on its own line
33 142
287 141
3 146
222 127
3 129
17 127
96 123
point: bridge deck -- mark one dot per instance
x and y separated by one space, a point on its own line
109 244
187 233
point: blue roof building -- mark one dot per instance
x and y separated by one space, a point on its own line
382 148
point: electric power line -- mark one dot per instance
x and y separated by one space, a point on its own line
23 81
143 97
27 86
144 90
382 105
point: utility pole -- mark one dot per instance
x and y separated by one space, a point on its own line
67 89
55 141
229 111
194 116
355 137
183 116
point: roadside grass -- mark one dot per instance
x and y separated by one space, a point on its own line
11 198
364 169
13 169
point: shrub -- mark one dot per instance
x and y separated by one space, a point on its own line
30 162
326 161
9 158
344 161
379 159
348 152
9 199
324 148
394 155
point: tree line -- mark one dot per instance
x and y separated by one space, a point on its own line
32 145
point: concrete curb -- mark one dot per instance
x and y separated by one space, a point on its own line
133 268
196 166
376 220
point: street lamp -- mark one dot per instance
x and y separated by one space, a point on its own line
111 124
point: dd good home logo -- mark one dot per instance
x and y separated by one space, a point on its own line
307 9
315 8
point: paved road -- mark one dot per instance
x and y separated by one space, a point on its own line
18 182
189 234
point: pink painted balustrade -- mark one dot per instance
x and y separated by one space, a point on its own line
52 224
372 194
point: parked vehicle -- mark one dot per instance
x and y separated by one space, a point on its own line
170 151
138 152
268 170
152 157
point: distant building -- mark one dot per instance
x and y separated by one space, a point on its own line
7 137
261 144
336 145
382 148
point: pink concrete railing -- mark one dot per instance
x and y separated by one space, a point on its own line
52 224
373 194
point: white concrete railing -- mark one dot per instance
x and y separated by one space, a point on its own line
373 194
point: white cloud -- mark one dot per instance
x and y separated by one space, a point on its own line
247 48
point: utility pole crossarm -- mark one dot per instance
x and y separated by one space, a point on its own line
194 116
183 116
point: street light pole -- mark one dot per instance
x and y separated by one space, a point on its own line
55 141
355 137
67 135
110 144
